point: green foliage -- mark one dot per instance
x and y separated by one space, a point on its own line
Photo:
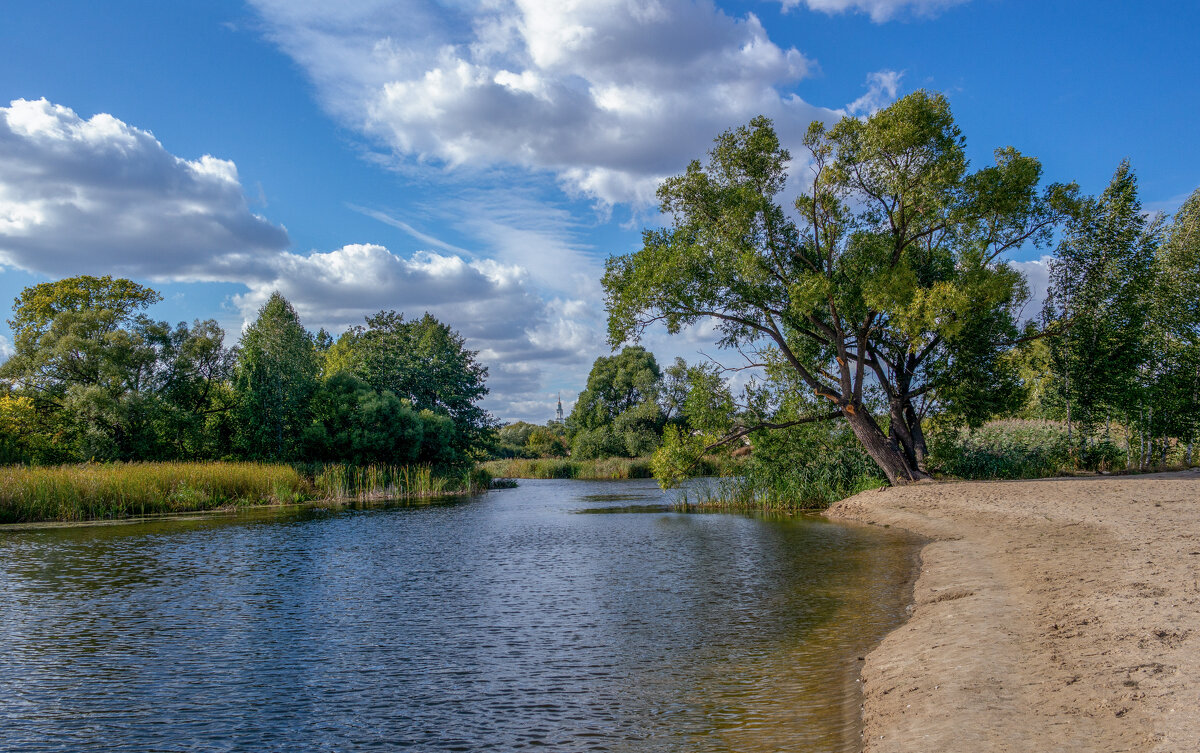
599 468
618 414
108 382
806 467
1016 448
547 442
424 362
890 274
352 423
94 378
275 377
1101 286
117 490
389 482
525 440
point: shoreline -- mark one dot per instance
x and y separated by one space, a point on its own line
1059 614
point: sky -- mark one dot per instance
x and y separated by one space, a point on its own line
481 160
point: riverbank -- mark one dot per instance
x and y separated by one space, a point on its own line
1060 614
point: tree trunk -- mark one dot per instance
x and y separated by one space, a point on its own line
901 435
920 448
890 458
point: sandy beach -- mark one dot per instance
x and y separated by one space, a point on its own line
1048 615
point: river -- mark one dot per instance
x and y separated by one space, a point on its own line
560 615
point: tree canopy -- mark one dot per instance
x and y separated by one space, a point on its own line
885 289
618 413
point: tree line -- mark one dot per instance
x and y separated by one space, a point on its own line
93 377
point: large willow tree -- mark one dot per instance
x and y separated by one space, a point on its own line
884 290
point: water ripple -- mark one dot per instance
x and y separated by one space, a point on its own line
501 623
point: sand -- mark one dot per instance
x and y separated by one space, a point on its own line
1048 615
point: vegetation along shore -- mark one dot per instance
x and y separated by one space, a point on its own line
95 491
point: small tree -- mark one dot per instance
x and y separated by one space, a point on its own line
425 362
1099 299
618 413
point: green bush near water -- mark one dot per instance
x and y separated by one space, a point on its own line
94 491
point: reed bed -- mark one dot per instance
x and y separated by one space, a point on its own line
94 491
373 482
600 469
117 490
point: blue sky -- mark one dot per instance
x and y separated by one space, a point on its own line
481 160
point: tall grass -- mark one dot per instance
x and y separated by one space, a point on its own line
597 470
369 482
118 490
1018 448
768 485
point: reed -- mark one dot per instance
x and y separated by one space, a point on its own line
94 491
374 482
116 490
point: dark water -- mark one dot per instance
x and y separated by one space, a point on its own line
509 621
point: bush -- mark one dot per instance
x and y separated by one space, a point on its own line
804 468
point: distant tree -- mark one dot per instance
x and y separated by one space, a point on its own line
1170 378
544 442
274 378
511 439
191 382
425 362
85 355
79 331
618 413
890 276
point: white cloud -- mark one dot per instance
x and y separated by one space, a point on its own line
6 348
518 334
99 195
1037 275
881 90
608 96
879 10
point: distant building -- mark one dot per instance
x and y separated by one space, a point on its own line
558 413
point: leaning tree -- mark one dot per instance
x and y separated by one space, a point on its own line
886 289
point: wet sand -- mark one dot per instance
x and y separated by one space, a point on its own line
1048 615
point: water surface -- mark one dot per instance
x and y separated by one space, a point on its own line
510 621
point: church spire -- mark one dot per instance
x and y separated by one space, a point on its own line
558 414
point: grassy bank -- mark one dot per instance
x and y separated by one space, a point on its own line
596 470
118 490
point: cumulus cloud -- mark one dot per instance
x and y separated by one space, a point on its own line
608 96
519 335
100 195
879 10
6 348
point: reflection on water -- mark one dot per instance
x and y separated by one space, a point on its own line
504 622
